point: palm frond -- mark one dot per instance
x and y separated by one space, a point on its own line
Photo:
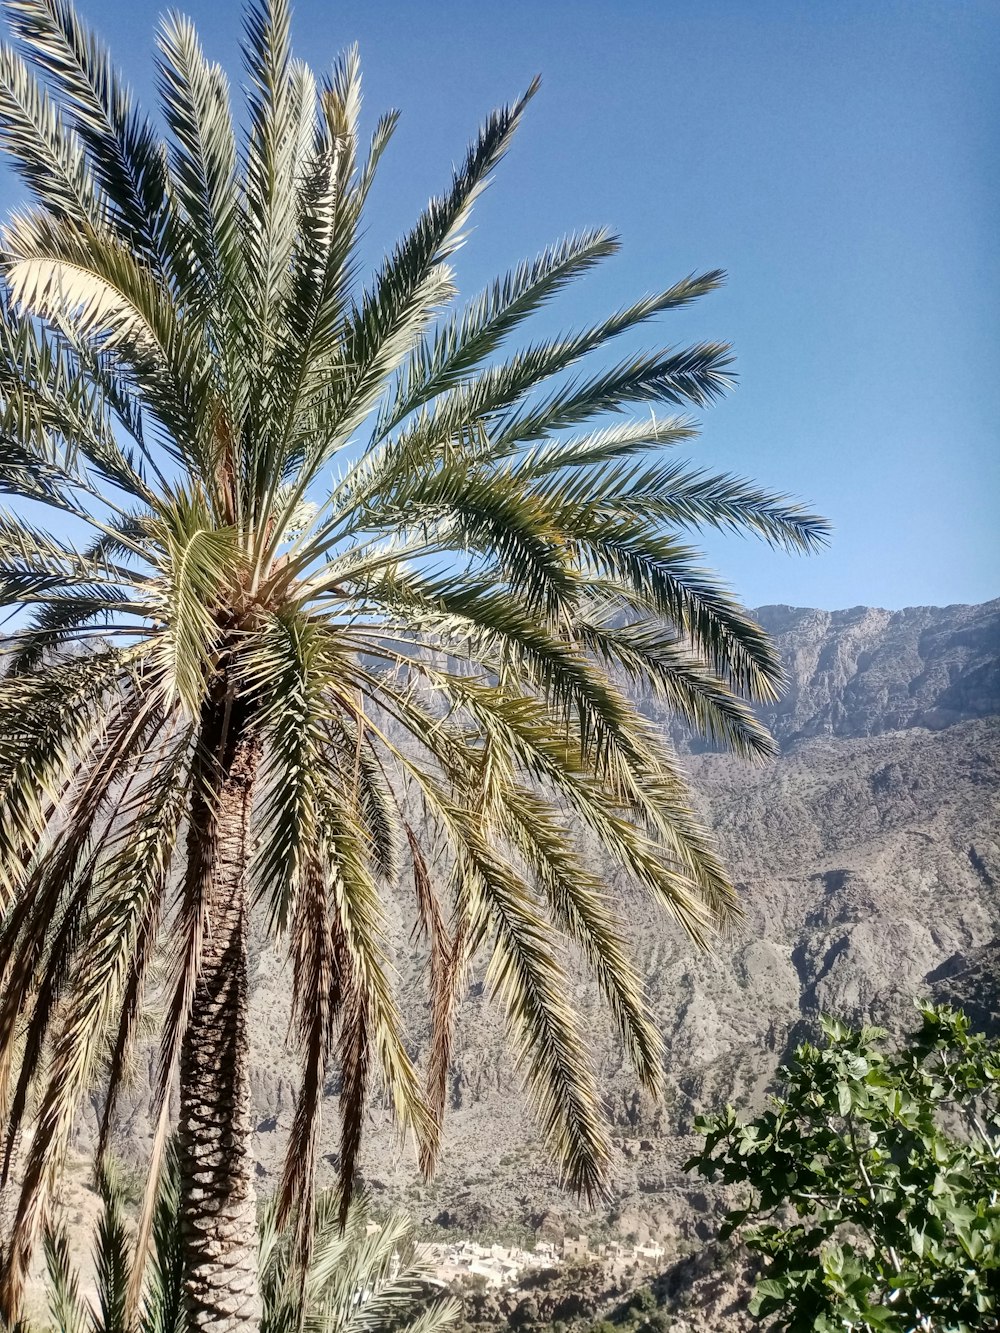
318 1001
126 921
63 403
394 313
67 1309
163 1299
111 1254
577 899
123 151
697 374
449 956
280 137
621 440
469 338
361 1277
195 99
199 564
331 201
664 576
48 156
356 903
680 496
289 673
524 976
653 659
99 974
46 721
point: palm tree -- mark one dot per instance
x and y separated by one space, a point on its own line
330 579
360 1278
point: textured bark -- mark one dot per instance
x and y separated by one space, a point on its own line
218 1202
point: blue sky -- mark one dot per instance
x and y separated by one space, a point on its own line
840 160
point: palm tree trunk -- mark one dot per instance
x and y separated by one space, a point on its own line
218 1210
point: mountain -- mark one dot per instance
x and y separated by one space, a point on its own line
864 672
868 863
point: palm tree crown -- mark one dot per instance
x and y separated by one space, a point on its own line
340 580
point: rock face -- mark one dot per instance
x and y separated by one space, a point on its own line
865 671
868 861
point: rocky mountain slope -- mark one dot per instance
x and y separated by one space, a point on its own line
868 862
864 672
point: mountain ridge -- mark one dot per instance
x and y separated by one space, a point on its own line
865 670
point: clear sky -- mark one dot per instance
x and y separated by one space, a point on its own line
838 157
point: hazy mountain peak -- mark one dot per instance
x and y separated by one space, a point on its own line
864 671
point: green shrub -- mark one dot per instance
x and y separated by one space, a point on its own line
874 1182
658 1322
643 1300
